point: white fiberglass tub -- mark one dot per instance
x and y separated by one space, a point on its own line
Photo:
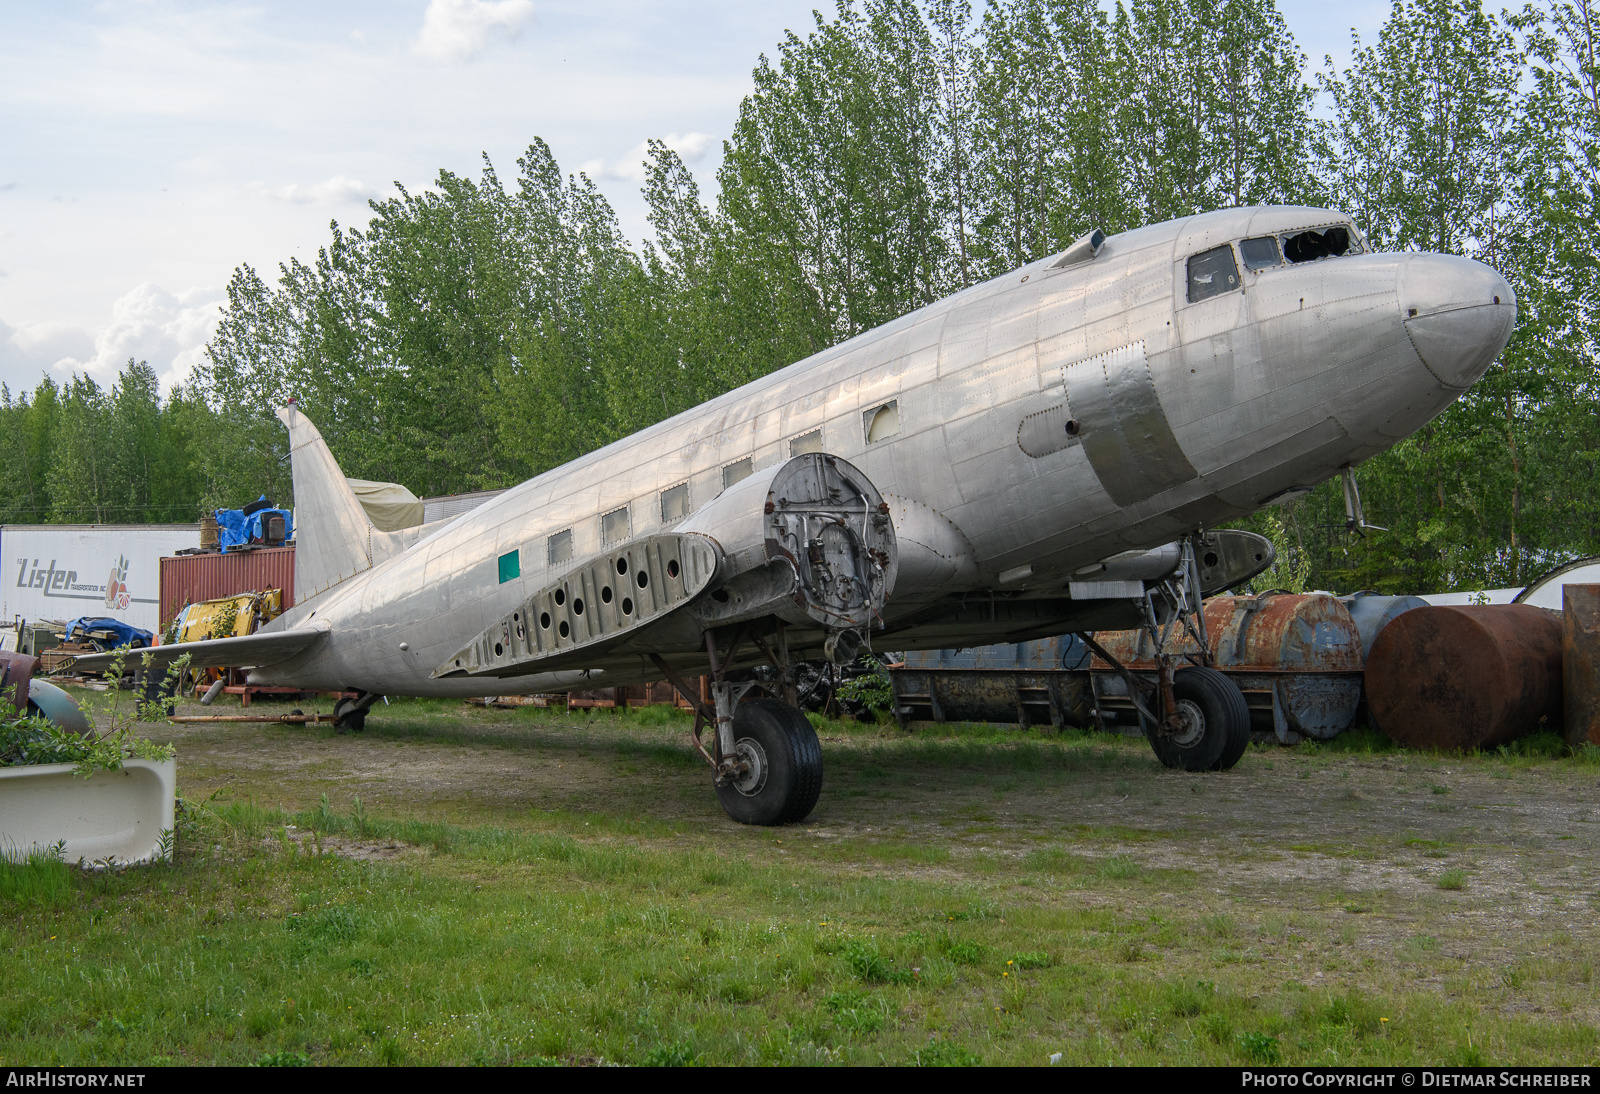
120 816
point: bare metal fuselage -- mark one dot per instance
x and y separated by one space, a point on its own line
1180 415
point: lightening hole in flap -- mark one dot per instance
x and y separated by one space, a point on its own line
544 620
622 565
643 579
563 629
605 594
561 597
627 606
577 605
499 649
672 567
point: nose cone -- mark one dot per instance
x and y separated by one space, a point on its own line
1459 314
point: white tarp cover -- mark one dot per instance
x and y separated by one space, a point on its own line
388 505
62 571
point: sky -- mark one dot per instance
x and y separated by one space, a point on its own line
148 148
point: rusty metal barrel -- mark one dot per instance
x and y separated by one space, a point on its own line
1373 611
1466 676
1022 683
1580 663
1295 656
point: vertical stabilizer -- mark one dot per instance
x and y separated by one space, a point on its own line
333 538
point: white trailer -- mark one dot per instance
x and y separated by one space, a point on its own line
63 571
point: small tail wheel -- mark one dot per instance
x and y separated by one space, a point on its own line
348 717
1213 723
783 777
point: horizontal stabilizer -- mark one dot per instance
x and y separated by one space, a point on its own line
246 651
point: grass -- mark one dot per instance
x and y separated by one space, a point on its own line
523 887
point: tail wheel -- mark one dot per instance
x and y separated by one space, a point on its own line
784 765
1213 723
348 715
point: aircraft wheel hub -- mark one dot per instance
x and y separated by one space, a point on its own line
1187 724
751 763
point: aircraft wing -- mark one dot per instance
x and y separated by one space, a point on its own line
246 651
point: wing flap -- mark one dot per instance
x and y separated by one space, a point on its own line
245 651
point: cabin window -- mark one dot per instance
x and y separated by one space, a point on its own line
1212 273
510 566
806 442
1312 245
882 422
1260 252
614 526
560 546
737 472
675 503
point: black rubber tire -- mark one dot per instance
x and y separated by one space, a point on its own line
1224 723
794 765
353 721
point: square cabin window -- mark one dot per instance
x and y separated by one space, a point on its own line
675 503
806 442
560 546
1212 273
614 526
737 472
882 422
1260 252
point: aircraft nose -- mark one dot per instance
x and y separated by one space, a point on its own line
1459 314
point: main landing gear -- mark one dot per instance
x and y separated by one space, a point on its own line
765 754
1194 717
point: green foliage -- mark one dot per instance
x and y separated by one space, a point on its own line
872 689
40 878
1262 1048
946 1054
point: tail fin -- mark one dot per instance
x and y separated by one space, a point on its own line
333 538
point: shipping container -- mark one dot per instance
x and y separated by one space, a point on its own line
63 571
189 579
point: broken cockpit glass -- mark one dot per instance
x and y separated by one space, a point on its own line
1311 245
1260 252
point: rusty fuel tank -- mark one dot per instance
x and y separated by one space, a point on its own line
1295 656
1580 664
1022 683
1466 676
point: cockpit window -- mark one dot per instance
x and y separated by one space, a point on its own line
1211 273
1260 252
1312 245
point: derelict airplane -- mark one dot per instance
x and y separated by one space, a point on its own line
1037 454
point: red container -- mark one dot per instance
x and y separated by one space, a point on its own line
189 579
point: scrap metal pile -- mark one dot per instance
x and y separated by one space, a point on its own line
1310 665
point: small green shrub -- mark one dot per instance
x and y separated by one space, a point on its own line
1033 959
869 965
287 1058
673 1055
1453 879
1260 1047
945 1054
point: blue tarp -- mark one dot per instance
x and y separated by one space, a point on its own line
234 529
79 630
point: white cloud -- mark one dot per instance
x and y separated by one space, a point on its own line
629 167
339 190
28 351
459 30
148 323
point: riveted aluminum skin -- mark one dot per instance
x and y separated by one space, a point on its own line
1580 664
1295 656
1464 677
1188 414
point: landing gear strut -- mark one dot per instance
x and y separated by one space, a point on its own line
1194 717
765 753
